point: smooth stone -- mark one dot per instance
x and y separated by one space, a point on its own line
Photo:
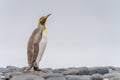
71 71
27 77
78 77
59 70
1 74
96 77
83 71
113 69
116 69
11 74
24 68
115 78
47 70
98 70
38 73
57 78
4 70
50 75
14 69
5 77
105 79
1 78
110 75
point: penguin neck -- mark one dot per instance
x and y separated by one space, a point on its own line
40 25
44 28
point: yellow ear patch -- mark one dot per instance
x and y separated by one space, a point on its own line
38 21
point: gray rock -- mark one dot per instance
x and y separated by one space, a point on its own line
70 71
24 68
11 74
57 78
28 77
83 71
59 70
5 77
50 75
4 74
116 69
98 70
97 77
110 75
76 77
4 70
47 70
115 78
14 69
0 78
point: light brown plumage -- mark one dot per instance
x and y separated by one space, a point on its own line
33 43
33 47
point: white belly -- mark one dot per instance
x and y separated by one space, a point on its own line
42 47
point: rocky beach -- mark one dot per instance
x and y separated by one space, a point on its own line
72 73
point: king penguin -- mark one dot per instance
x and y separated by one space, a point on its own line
37 44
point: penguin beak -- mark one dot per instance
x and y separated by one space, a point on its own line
47 16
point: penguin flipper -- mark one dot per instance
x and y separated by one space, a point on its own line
36 50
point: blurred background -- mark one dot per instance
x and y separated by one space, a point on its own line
80 32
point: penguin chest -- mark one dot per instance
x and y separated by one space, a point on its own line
42 47
42 44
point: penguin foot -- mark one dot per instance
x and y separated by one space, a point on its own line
36 69
39 70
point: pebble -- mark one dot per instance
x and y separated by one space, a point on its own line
59 70
81 73
115 78
47 70
70 71
4 70
78 77
116 69
11 74
98 70
57 78
49 75
14 69
0 78
110 75
28 77
5 77
97 77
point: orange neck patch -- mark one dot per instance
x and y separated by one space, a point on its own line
45 29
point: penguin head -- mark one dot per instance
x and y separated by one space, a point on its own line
43 19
